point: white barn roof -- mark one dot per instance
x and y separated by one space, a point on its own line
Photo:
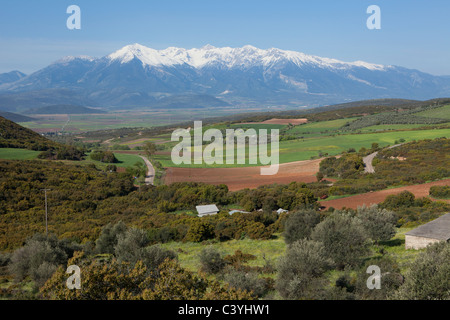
207 209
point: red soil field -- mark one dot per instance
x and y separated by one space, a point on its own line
248 177
421 190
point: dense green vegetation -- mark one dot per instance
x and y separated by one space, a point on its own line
147 242
104 156
13 135
422 161
331 263
440 192
84 198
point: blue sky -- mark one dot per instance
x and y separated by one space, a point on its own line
414 34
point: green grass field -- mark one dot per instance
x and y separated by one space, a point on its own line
439 113
125 160
258 126
393 127
304 149
188 253
323 127
18 154
271 250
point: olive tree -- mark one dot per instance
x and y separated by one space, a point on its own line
378 223
344 238
301 269
299 225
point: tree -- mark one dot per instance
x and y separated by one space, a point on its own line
301 269
344 238
375 146
428 278
401 200
391 279
39 258
149 149
130 245
200 231
107 240
319 176
299 225
378 223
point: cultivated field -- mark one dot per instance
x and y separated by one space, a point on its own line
249 177
18 154
421 190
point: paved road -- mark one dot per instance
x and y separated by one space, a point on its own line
369 159
149 179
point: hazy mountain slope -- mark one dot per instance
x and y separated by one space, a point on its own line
139 76
15 117
64 109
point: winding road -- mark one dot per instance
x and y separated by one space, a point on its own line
369 159
150 177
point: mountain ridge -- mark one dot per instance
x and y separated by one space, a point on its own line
138 76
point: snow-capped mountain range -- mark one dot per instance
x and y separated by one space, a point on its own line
245 57
137 75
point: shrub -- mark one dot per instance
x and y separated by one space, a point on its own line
211 260
401 200
200 231
299 225
108 237
441 192
130 245
378 223
154 256
428 279
247 281
39 258
301 269
104 156
391 279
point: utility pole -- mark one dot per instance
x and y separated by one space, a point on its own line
46 211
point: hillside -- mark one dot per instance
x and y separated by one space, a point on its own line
11 77
15 117
64 109
13 135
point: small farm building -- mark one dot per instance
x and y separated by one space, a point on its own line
207 210
431 232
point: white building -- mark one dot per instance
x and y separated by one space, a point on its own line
237 211
207 210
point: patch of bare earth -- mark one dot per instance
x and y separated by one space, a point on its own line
248 177
421 190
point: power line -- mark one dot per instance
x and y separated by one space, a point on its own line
46 211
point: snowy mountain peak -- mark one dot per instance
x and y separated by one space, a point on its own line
208 47
247 56
68 59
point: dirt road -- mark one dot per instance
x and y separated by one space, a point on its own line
150 177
